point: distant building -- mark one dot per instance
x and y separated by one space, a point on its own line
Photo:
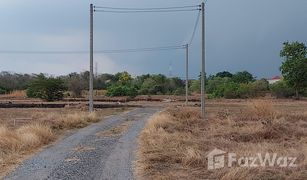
274 79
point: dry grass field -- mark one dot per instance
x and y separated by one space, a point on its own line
176 142
24 131
17 94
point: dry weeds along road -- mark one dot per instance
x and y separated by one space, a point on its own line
104 150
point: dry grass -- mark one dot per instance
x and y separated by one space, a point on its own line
76 120
40 128
23 116
14 144
16 94
175 143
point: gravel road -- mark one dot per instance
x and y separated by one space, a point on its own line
90 153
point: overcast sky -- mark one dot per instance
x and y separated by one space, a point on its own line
240 35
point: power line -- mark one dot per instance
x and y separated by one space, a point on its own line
165 48
195 28
113 51
156 8
147 11
41 52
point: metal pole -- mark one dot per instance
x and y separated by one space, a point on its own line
187 75
203 62
91 101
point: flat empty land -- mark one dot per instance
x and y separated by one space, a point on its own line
176 143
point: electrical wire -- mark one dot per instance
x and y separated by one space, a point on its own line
114 51
147 11
163 48
195 28
126 10
156 8
41 52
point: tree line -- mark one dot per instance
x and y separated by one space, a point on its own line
221 85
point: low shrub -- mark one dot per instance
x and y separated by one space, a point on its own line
282 90
179 91
2 90
121 90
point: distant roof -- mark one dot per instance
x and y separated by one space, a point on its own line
275 78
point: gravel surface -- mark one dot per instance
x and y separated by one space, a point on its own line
87 155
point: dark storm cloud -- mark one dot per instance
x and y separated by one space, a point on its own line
240 35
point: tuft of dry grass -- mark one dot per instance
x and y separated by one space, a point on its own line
170 143
174 143
35 134
76 120
16 143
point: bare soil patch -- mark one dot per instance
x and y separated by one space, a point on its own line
116 131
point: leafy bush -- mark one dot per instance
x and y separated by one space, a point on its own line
258 88
230 90
121 90
195 86
216 84
152 86
244 91
261 85
49 89
282 90
2 90
179 91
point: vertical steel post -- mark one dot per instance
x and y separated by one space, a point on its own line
91 101
203 62
187 75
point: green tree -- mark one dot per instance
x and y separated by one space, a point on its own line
123 78
227 90
294 66
224 74
121 90
155 84
215 83
174 85
139 80
46 88
243 77
151 86
195 86
103 81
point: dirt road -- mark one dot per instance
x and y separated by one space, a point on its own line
104 150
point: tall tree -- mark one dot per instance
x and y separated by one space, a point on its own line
46 88
243 77
294 66
224 74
